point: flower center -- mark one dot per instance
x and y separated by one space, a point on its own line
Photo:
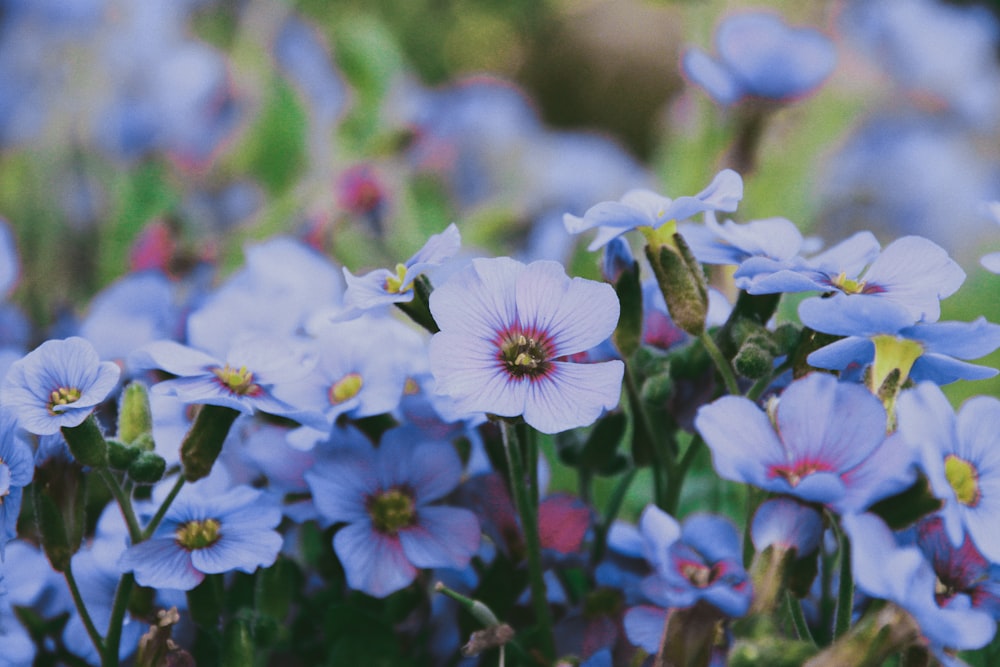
239 381
964 479
392 510
62 396
852 286
395 285
798 471
345 388
525 355
198 534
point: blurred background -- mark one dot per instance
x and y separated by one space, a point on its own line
169 133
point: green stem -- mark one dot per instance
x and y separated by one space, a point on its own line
723 366
81 609
845 592
610 513
118 609
162 511
643 431
798 618
124 502
532 543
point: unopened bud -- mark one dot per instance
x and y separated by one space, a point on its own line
86 443
134 414
147 468
120 455
682 282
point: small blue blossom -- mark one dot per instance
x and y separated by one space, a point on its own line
382 286
17 467
885 569
824 443
787 523
207 532
244 381
732 243
384 496
882 335
701 560
644 208
912 272
761 57
506 328
57 384
960 454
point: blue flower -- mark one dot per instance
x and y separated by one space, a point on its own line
207 532
912 272
960 454
382 286
57 384
701 560
824 443
384 496
505 330
787 523
303 57
731 243
761 57
885 569
644 208
245 381
17 467
882 335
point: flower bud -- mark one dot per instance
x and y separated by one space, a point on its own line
120 455
682 282
134 414
147 468
86 443
202 444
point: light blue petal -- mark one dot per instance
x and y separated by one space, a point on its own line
442 537
373 563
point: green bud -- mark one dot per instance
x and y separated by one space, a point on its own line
682 282
238 648
134 415
656 390
120 455
147 468
753 361
786 338
144 443
203 442
58 495
86 443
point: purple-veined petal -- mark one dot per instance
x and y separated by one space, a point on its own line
431 469
916 273
572 395
244 550
341 485
441 537
741 438
478 300
374 563
161 563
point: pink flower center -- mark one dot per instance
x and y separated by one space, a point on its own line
796 472
525 353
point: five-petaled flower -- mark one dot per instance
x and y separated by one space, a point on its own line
58 384
506 330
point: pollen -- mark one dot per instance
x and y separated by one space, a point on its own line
964 479
392 510
345 388
198 534
62 396
525 355
395 284
239 381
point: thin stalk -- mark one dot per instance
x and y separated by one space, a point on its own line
532 542
723 366
798 618
88 622
124 502
118 609
845 592
610 513
641 423
162 511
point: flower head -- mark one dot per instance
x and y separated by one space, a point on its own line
17 466
57 384
761 57
384 497
205 532
644 208
506 328
824 442
382 286
960 455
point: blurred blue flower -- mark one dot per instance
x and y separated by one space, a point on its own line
960 454
787 523
644 208
761 57
911 272
505 327
701 560
382 286
991 261
384 497
732 243
824 443
58 384
885 569
207 532
882 334
302 56
244 381
17 467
